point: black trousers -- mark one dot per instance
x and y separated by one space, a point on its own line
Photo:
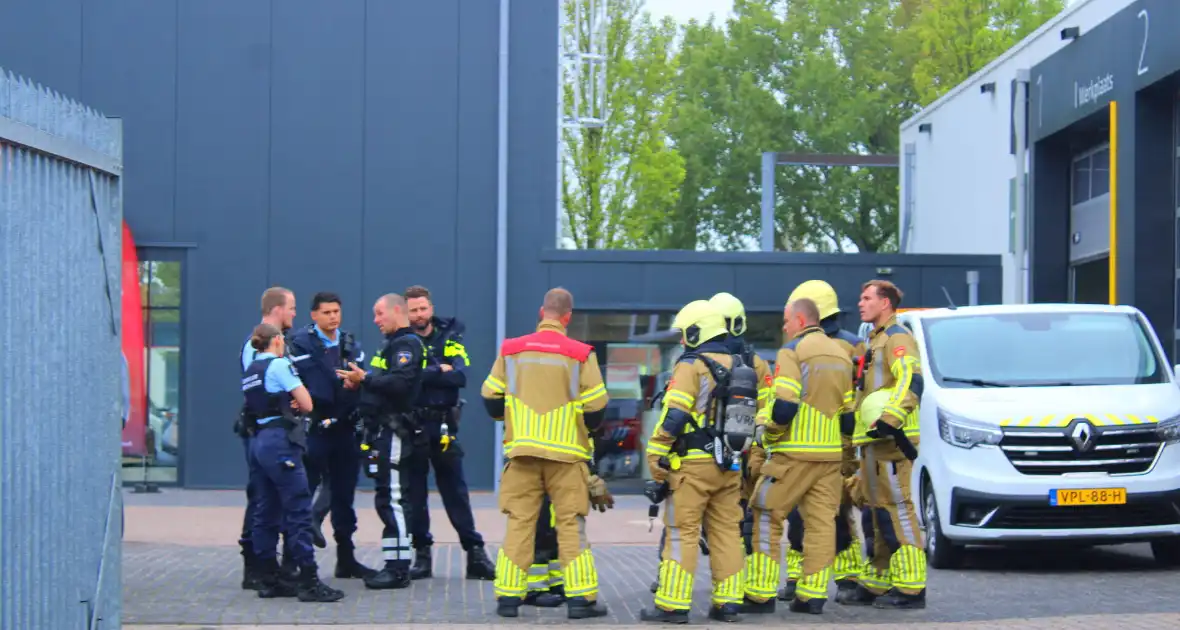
334 463
392 498
448 476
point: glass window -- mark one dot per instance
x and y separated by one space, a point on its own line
1081 180
160 294
637 352
1100 173
1041 349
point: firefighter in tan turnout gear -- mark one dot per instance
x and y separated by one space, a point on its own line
848 552
895 576
694 458
548 389
813 406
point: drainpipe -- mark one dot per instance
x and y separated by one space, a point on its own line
502 213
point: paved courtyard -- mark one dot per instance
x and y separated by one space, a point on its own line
181 570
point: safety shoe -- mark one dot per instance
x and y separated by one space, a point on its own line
663 616
311 589
508 606
787 593
544 599
390 577
251 578
810 606
845 590
582 608
479 566
348 567
423 564
859 597
756 607
897 600
726 613
273 582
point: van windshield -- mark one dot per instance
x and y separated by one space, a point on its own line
1041 349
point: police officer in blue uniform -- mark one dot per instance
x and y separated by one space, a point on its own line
271 387
278 310
437 413
318 350
386 405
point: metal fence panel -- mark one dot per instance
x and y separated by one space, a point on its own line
61 214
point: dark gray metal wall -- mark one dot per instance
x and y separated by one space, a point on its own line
1131 58
344 145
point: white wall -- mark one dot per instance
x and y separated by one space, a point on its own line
963 165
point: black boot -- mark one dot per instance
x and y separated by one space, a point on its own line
273 582
347 566
581 608
479 566
311 589
845 591
508 606
663 616
393 575
726 613
861 596
288 568
757 608
897 600
811 606
251 580
423 564
787 593
655 586
551 598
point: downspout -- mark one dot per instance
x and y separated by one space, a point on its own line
502 214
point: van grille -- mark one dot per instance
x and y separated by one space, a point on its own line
1081 448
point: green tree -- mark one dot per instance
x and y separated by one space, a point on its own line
959 37
622 180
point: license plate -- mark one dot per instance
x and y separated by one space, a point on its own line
1088 496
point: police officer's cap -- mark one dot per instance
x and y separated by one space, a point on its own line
732 310
698 322
819 292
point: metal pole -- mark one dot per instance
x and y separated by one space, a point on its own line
502 212
1020 121
768 164
973 288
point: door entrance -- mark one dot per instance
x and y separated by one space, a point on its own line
1089 282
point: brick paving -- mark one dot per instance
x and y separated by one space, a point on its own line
181 572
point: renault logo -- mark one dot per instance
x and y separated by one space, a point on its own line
1082 436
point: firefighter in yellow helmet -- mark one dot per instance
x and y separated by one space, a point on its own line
814 401
694 458
895 576
848 552
736 325
548 390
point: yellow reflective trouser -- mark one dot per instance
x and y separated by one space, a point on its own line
523 486
848 552
785 485
895 539
701 493
545 572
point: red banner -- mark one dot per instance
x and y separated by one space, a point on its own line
135 431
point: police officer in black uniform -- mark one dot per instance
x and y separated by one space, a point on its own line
318 350
387 396
437 414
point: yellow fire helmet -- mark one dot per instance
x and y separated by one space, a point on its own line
819 292
870 410
732 310
698 321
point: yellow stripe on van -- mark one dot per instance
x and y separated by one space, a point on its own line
1062 420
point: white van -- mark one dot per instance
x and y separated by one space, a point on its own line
1046 422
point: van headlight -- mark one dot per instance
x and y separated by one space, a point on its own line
1169 430
964 433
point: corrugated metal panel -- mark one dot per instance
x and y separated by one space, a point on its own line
60 367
